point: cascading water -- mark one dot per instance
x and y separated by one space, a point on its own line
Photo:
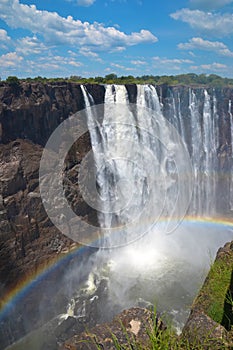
199 131
143 185
197 147
231 179
124 137
209 156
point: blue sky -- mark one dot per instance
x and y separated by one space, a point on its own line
59 38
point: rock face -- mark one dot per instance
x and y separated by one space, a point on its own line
127 330
28 240
211 318
29 113
33 111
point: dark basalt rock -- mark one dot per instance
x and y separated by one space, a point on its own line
213 303
201 330
132 92
35 110
29 113
131 327
28 239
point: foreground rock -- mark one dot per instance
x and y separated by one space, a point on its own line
211 318
209 325
128 329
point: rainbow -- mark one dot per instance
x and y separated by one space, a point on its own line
27 284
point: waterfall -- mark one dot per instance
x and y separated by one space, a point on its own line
204 145
197 149
135 144
209 156
139 164
147 161
231 179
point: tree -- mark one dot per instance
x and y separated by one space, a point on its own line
111 76
12 80
99 79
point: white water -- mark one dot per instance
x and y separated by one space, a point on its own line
155 254
231 179
197 148
129 135
156 267
142 166
204 134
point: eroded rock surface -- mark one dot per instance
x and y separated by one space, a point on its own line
28 240
129 328
211 318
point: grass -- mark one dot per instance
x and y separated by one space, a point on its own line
215 299
157 340
215 291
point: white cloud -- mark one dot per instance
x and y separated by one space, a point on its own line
209 4
138 62
30 45
72 53
85 51
75 63
85 2
68 31
57 64
62 61
192 54
119 66
171 61
3 35
214 67
11 59
5 40
215 23
201 44
169 65
117 49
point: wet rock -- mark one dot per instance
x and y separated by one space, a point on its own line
28 239
130 328
201 330
211 318
33 111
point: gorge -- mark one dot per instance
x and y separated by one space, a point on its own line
156 175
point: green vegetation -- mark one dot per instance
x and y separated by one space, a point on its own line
215 296
157 340
12 80
190 79
215 299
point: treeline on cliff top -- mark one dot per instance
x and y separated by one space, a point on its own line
181 79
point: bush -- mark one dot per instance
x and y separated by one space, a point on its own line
13 80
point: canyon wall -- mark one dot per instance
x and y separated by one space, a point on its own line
29 113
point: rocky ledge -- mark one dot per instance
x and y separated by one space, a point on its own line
209 325
127 330
211 314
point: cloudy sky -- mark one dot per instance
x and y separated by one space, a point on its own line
59 38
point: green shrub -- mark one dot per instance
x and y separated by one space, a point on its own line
13 80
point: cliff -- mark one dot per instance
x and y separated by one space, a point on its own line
29 113
211 317
33 111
